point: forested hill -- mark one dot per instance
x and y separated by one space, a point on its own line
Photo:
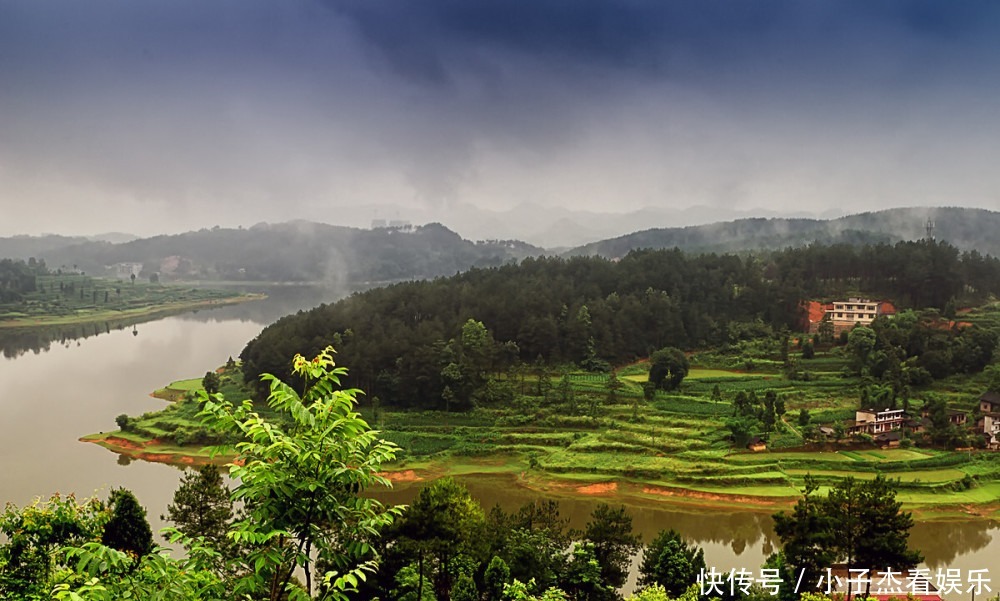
966 229
400 340
295 251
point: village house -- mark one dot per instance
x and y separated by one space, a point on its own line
126 270
846 314
872 422
989 402
989 424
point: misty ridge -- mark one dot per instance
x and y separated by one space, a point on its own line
335 256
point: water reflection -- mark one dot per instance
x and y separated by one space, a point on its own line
280 301
731 539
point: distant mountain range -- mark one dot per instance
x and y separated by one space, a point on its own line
311 252
294 251
552 227
967 229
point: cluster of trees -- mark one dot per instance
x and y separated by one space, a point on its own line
859 524
36 534
593 312
17 278
752 415
912 349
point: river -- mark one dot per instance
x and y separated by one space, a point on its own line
56 388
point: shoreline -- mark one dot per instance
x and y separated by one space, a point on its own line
152 312
622 490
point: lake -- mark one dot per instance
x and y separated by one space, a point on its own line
56 388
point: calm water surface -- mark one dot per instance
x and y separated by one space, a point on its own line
54 389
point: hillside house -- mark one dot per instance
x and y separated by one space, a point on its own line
872 422
846 314
126 270
989 426
989 402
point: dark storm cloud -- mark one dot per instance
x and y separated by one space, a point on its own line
428 39
257 109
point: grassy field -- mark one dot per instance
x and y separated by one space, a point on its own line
76 299
674 448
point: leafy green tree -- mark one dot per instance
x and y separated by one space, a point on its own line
442 525
610 532
807 534
495 578
532 542
29 557
883 528
858 523
667 368
716 394
106 574
584 579
670 562
860 346
804 417
808 350
302 480
123 421
211 382
613 386
825 329
127 530
464 589
202 507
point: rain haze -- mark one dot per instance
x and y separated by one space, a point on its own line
163 116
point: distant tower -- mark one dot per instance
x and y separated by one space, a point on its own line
930 228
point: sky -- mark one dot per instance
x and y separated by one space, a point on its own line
151 116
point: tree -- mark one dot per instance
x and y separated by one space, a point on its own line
202 507
825 329
123 421
127 530
211 382
443 524
33 536
302 480
887 528
464 589
860 345
667 368
668 561
495 578
808 350
807 534
858 523
610 531
584 578
804 417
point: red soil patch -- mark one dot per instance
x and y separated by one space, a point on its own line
122 443
402 476
708 496
601 488
816 311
